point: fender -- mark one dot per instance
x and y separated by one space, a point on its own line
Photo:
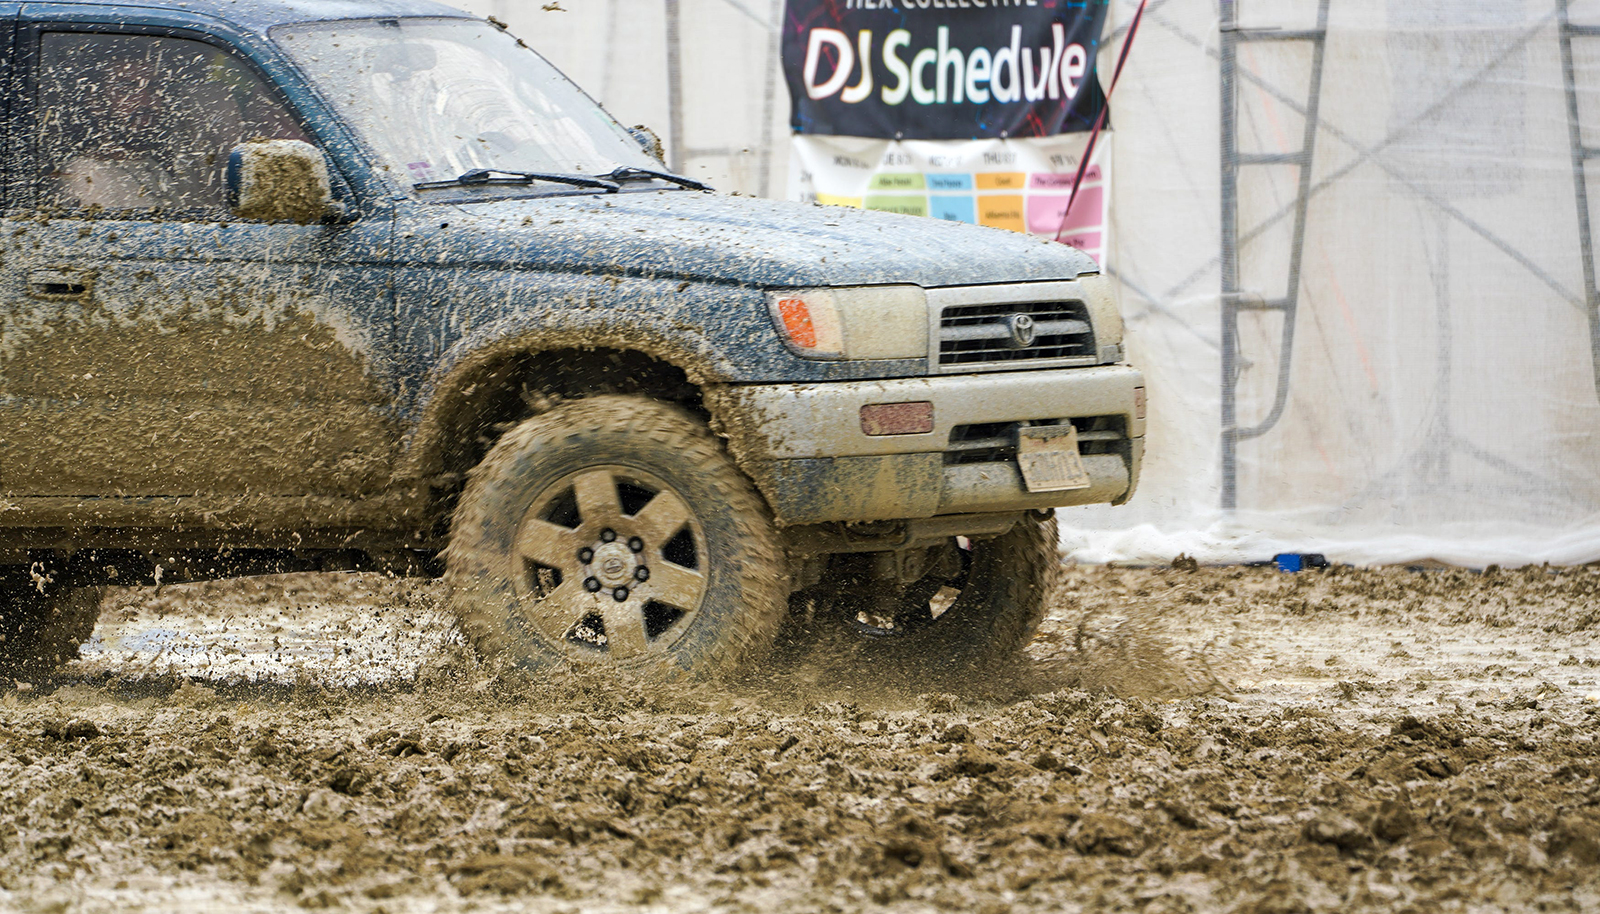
593 321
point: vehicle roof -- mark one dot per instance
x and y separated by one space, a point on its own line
260 15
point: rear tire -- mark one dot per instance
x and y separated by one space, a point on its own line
615 532
42 629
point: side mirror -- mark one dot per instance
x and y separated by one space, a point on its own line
647 140
280 181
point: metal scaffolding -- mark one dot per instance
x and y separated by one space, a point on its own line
1236 300
1581 154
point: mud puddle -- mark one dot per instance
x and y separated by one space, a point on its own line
1178 740
338 630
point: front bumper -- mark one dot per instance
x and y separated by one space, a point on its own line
805 447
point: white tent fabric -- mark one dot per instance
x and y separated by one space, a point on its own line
1441 395
1440 398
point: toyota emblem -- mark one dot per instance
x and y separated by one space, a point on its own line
1021 326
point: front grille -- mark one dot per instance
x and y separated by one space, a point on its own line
978 334
996 442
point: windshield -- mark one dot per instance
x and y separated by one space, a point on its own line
437 98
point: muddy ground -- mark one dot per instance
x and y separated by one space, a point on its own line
1179 739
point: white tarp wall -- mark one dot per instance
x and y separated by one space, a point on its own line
1440 398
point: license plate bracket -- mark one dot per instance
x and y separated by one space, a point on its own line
1049 460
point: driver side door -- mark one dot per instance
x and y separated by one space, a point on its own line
155 346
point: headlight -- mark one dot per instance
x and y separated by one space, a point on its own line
860 322
1103 311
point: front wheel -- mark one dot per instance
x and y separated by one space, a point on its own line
614 531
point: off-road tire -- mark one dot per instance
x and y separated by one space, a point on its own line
1004 593
506 577
42 630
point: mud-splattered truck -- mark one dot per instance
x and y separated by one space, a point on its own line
341 284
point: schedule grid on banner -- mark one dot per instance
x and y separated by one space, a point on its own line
1019 185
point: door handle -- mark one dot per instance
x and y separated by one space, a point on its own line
61 285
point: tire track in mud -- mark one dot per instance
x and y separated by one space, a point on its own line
1444 760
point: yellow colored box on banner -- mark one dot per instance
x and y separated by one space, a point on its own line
1002 180
1002 212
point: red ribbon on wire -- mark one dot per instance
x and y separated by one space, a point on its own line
1100 120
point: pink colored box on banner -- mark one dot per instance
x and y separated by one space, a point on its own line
1054 181
1044 211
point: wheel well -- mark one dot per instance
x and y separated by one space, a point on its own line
492 397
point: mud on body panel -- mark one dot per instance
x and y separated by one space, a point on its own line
206 358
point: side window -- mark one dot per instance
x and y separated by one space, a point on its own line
142 122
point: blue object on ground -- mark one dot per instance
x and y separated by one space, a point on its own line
1299 561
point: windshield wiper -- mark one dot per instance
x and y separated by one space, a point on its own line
624 172
479 177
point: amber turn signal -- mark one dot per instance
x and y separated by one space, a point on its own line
797 321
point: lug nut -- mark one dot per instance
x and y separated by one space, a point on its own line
591 584
620 594
608 535
641 573
586 555
636 544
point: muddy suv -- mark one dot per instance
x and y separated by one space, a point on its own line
355 284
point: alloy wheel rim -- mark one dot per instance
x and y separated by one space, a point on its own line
610 564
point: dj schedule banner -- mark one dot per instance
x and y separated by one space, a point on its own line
972 111
943 69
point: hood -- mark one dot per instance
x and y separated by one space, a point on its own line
745 240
